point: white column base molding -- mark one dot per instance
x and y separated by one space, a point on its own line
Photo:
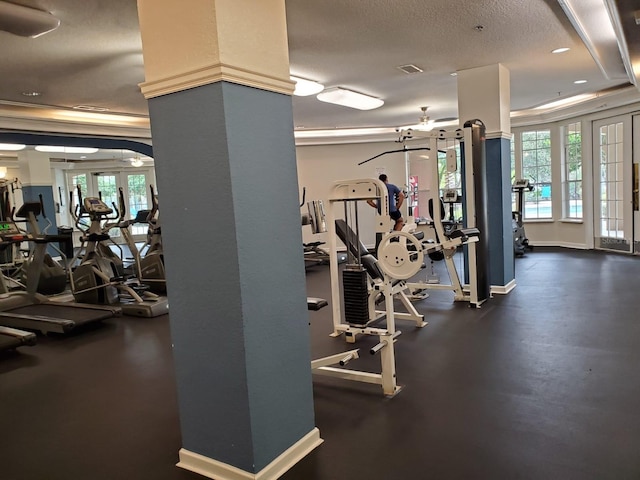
211 468
503 289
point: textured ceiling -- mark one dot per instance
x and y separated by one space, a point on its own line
95 57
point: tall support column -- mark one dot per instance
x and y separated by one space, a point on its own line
217 81
484 93
36 179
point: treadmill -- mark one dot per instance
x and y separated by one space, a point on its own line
10 338
30 310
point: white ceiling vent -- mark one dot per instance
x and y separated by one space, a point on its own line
410 69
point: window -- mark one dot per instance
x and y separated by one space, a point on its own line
536 167
512 145
107 188
134 183
75 181
572 170
450 180
137 188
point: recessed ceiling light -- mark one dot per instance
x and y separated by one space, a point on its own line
454 74
31 94
577 82
306 87
561 50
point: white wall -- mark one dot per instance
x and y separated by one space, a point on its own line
320 166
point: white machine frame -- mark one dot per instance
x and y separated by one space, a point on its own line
468 293
355 191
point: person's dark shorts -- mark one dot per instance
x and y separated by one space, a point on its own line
395 215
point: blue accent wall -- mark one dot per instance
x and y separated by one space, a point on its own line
227 176
31 193
501 257
499 204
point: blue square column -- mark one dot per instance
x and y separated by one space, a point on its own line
484 93
226 170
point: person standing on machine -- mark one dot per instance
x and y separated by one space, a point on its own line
396 198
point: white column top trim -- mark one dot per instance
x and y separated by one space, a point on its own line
216 73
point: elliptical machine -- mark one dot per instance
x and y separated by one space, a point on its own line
520 240
149 259
53 278
98 278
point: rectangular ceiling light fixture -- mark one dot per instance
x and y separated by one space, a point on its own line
306 87
25 21
12 147
349 98
63 149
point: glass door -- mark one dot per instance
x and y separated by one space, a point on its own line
75 180
135 185
635 200
613 184
105 186
137 196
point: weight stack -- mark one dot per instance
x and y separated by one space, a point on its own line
356 294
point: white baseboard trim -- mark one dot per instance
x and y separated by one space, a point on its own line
211 468
503 289
578 246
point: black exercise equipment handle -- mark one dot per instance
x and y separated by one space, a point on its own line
79 188
304 195
44 215
154 205
121 203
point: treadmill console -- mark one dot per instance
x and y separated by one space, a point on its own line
9 232
450 196
96 206
521 184
9 228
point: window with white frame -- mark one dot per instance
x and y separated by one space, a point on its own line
137 199
450 180
134 183
572 171
536 167
512 144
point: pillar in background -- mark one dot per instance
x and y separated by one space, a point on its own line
36 180
484 93
217 82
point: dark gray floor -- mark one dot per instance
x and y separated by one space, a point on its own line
539 384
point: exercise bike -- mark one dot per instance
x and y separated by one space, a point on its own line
520 240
